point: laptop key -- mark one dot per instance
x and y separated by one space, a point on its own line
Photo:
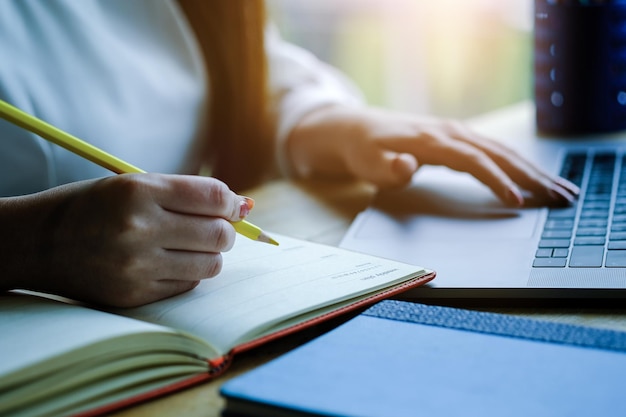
594 214
549 263
620 209
554 243
556 234
617 236
544 253
591 231
596 205
616 259
589 240
560 253
617 244
618 227
560 224
562 213
593 223
586 256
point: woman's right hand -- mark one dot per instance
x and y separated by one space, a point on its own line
124 240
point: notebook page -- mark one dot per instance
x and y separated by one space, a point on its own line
264 284
29 323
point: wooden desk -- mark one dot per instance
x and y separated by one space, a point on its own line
322 212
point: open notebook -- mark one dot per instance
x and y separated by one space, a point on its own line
60 358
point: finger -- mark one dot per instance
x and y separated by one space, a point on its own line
464 157
438 148
507 155
185 266
487 171
403 166
202 196
188 232
547 188
162 274
384 168
568 185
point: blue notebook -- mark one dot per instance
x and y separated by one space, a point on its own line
405 359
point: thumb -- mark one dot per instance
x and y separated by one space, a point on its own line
394 169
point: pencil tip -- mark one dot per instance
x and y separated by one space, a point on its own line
265 238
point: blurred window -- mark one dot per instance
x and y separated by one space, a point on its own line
453 58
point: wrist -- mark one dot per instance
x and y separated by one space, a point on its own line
319 144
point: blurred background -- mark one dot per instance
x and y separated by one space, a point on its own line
452 58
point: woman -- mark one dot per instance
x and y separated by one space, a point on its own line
176 88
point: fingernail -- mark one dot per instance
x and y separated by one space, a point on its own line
246 205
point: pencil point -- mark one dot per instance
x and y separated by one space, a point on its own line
265 238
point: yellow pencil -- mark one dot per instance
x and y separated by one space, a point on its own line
100 157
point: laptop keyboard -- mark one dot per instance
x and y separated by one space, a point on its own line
591 233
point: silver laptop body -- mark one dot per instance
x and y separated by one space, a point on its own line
450 222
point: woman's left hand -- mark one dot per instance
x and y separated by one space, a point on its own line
386 148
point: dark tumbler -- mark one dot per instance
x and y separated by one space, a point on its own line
580 66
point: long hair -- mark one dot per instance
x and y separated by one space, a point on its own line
239 148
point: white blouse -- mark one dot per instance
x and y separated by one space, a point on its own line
126 76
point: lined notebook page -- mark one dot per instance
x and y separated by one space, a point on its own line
263 284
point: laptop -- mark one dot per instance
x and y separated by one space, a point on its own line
450 222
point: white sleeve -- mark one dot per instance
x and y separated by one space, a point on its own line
300 83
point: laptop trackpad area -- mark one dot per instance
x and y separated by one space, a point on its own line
434 209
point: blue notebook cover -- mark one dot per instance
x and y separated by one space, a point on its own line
405 359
